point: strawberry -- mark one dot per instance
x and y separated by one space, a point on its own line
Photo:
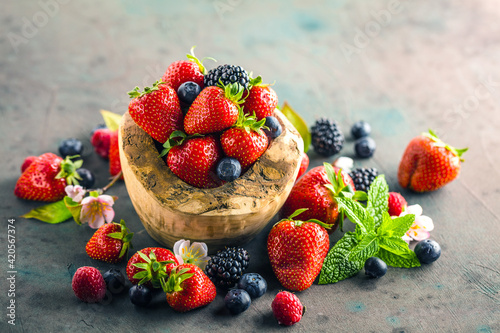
110 242
156 110
149 265
185 70
296 250
101 141
88 284
317 190
114 154
287 308
27 161
213 110
397 204
194 159
46 177
188 288
428 163
304 164
261 101
245 141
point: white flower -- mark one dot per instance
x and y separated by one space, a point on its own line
75 192
195 254
344 163
421 227
97 210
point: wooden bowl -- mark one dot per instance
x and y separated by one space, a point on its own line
232 214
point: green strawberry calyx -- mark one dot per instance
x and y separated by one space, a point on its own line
194 59
298 223
249 122
177 138
125 236
173 283
233 92
257 82
136 92
439 143
151 270
68 170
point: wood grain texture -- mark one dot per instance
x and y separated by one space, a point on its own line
231 214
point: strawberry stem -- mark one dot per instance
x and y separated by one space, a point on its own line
439 143
173 283
68 170
136 92
193 58
125 236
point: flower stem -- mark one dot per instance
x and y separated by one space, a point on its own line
113 181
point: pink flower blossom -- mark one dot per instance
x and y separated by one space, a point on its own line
97 210
421 227
75 192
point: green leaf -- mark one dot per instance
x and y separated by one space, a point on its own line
112 120
336 266
360 196
357 214
74 208
365 249
52 213
396 227
378 199
298 123
408 260
395 245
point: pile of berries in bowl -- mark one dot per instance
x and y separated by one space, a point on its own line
206 155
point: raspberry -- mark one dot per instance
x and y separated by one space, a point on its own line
89 285
397 204
287 308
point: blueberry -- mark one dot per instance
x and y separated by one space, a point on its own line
114 280
228 169
274 127
365 147
187 92
70 147
100 126
253 284
87 176
427 251
237 301
360 129
375 267
140 295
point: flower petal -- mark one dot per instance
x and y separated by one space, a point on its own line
414 209
420 235
88 200
178 245
107 199
425 222
97 221
69 190
108 213
198 250
179 259
407 238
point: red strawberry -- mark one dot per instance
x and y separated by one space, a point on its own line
156 110
245 141
110 242
296 251
188 288
89 285
194 159
114 154
149 265
287 308
304 164
428 163
397 204
262 100
46 177
101 141
185 70
213 110
27 162
316 190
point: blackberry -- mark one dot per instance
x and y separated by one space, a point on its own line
226 267
227 74
363 178
327 138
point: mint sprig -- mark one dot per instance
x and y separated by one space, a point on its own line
376 234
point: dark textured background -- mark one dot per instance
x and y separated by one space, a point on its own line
430 65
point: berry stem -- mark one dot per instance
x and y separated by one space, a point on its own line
113 181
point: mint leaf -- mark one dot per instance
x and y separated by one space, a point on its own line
365 249
396 227
395 245
52 213
357 214
408 260
378 199
336 266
